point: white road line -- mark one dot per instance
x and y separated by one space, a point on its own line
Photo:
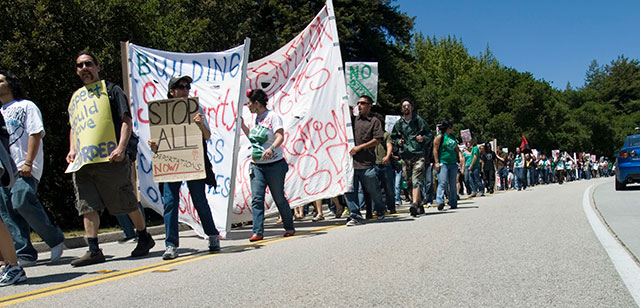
625 265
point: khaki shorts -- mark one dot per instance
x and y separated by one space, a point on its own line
413 170
105 185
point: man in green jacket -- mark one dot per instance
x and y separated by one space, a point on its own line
410 134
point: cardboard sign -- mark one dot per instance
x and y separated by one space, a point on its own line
362 79
466 135
180 154
390 121
91 125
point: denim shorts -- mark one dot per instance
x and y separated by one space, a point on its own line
105 185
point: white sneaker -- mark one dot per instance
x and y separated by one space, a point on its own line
353 222
12 275
170 253
56 252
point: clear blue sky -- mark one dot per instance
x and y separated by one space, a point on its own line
554 40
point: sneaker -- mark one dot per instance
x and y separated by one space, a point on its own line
56 252
26 262
89 258
289 233
420 209
12 275
256 237
413 209
143 246
473 195
317 218
394 211
171 252
353 222
428 204
214 243
380 216
441 207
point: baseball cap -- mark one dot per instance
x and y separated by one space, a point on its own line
175 80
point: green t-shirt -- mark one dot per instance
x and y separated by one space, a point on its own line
475 152
467 158
448 150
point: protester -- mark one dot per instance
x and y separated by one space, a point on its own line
489 159
105 185
410 134
384 168
179 88
502 163
20 207
11 272
367 134
518 164
446 154
475 169
269 167
467 158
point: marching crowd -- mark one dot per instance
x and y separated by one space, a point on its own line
410 160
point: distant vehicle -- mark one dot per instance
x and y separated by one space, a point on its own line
627 166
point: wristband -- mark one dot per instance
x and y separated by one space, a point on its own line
272 149
28 164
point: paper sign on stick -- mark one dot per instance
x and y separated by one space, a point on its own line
91 125
180 154
362 79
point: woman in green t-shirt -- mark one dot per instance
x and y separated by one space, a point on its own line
446 155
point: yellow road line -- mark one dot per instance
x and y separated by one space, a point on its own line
74 285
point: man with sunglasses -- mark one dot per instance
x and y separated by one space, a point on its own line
367 134
105 184
411 134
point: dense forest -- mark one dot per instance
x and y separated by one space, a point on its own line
40 39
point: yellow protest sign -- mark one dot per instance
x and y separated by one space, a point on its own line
180 154
92 128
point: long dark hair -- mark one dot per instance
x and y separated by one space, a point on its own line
14 83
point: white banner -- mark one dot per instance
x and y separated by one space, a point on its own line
362 79
306 87
217 80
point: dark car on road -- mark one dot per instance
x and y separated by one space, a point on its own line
628 163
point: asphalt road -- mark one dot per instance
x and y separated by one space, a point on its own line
517 249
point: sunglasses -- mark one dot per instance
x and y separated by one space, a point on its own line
85 63
183 86
406 106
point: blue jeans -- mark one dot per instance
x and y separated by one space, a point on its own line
521 182
447 181
271 175
21 211
427 186
369 181
387 178
531 176
398 190
171 200
503 174
476 181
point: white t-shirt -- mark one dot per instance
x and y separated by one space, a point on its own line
262 135
23 118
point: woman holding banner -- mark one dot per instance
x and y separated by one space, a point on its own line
179 87
269 166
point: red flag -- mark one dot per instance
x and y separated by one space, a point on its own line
524 144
